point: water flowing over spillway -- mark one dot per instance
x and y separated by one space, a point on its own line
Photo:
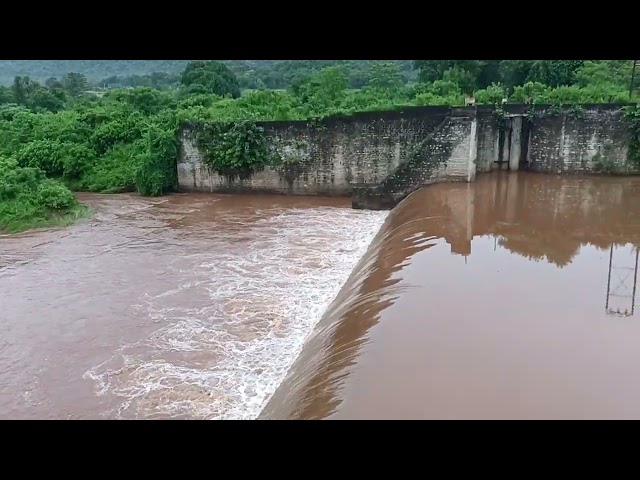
191 306
513 297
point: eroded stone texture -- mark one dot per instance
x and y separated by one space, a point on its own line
589 139
324 158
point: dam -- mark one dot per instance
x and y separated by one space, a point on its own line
378 158
483 273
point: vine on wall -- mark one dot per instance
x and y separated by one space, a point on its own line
233 148
631 117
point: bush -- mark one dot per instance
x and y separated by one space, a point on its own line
28 199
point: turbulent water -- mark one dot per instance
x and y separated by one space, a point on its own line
183 307
509 298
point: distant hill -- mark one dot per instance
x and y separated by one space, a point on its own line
251 73
93 69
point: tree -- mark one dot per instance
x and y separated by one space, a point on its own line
604 72
385 76
461 77
20 89
514 72
548 72
5 95
323 90
554 72
211 76
44 99
472 73
53 82
75 84
145 99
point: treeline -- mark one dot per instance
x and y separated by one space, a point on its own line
58 137
165 74
93 70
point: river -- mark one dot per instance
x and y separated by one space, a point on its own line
188 306
510 297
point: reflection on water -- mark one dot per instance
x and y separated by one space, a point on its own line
513 297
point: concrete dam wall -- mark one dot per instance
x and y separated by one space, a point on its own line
378 158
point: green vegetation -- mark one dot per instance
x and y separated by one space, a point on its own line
632 118
251 74
233 148
28 199
74 132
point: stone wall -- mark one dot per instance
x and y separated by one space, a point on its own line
447 154
380 157
584 139
324 158
488 140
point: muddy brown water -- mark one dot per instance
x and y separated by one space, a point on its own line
189 306
512 297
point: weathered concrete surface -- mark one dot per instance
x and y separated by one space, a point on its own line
447 154
587 139
380 157
326 158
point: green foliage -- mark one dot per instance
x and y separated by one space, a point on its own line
233 148
210 77
554 73
32 95
385 76
157 172
440 92
165 74
28 199
323 92
75 84
116 171
535 92
492 95
146 100
604 72
632 119
5 95
56 158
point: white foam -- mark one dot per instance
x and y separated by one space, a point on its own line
268 284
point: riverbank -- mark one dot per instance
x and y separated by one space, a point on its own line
42 219
29 200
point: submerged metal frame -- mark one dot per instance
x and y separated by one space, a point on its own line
633 295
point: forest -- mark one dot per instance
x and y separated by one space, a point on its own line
251 74
112 126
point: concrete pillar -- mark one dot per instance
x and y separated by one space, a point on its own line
516 142
473 151
506 148
496 149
